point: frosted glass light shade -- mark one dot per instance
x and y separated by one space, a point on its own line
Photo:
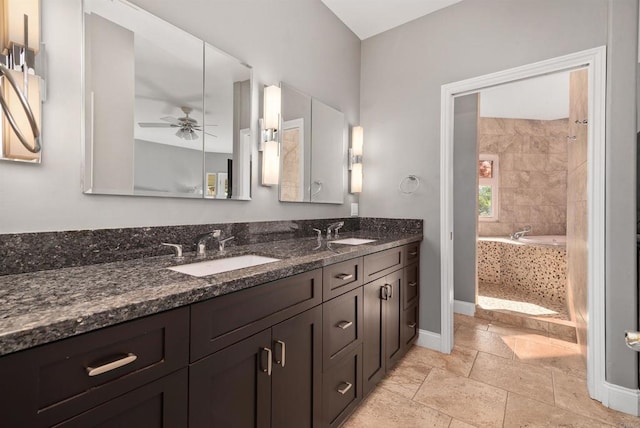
271 107
357 140
270 163
12 148
356 178
14 11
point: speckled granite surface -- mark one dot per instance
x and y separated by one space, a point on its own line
43 306
30 252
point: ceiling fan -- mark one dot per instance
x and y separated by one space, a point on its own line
186 125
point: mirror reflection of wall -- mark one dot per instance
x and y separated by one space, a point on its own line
159 119
313 154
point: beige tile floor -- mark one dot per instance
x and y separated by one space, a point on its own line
496 376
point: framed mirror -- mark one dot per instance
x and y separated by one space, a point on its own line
313 149
165 113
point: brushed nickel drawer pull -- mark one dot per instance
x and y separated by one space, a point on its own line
412 325
95 371
413 253
345 276
413 284
269 362
345 324
390 294
344 387
283 347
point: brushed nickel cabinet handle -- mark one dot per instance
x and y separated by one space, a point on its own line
413 284
344 387
345 276
390 294
95 371
413 253
344 324
269 362
412 325
384 292
283 353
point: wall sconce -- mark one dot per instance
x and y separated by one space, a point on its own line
269 142
355 158
20 86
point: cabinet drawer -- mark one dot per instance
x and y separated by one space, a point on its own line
411 285
380 264
225 320
341 277
342 326
160 404
342 389
410 326
413 252
53 382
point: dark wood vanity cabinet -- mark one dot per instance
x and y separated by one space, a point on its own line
301 351
83 380
272 378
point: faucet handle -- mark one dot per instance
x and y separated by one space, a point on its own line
222 242
338 227
216 233
319 232
177 248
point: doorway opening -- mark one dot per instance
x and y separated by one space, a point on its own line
593 61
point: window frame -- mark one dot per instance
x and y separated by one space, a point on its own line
494 182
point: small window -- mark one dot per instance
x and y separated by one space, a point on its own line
488 183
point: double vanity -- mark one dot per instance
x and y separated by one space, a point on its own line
297 341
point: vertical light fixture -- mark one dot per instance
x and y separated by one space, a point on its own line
20 85
355 158
270 146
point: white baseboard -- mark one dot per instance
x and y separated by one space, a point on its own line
622 399
429 339
464 308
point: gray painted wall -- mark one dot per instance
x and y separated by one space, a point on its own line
465 183
402 72
297 41
621 286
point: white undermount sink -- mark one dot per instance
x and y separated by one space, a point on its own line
211 267
353 241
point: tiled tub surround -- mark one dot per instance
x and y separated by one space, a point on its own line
44 306
533 174
540 270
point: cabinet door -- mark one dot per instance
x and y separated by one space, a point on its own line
296 383
232 388
160 404
373 338
392 319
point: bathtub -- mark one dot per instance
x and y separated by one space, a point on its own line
555 240
536 264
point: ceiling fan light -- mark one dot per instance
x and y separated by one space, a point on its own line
191 135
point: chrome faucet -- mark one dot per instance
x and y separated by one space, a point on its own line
521 233
201 246
178 250
335 227
221 243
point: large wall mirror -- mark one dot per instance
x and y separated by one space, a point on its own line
313 149
165 113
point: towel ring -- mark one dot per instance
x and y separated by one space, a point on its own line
409 184
27 109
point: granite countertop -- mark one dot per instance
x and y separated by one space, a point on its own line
41 307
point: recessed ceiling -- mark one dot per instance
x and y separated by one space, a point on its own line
367 18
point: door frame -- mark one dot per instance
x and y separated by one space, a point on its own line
595 61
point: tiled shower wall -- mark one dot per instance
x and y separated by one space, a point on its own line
533 174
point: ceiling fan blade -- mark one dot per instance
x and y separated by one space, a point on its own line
154 125
171 120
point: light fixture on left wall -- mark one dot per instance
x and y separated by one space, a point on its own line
20 85
269 140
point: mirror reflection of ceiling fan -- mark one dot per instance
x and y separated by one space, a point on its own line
186 125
